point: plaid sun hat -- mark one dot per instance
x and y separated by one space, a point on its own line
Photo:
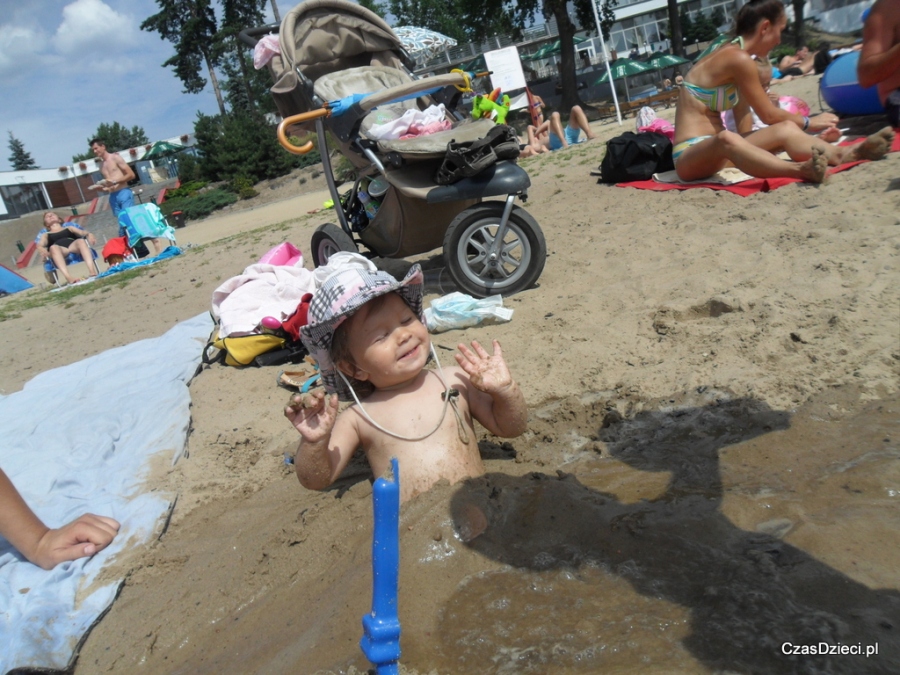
339 297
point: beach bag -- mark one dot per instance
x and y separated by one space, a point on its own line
464 160
240 350
631 157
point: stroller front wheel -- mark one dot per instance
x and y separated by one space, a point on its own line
480 264
327 240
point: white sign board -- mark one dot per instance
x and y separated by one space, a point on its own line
507 69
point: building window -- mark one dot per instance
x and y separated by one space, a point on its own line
22 199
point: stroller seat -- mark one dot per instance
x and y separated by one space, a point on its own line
364 79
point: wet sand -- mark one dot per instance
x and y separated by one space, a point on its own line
710 469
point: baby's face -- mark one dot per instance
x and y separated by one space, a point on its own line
388 343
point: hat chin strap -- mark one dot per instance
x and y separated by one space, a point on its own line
449 397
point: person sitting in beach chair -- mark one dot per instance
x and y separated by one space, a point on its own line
62 244
366 330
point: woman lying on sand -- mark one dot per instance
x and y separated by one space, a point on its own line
728 78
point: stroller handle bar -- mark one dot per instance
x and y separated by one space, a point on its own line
297 119
456 78
249 35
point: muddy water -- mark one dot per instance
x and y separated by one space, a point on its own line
687 538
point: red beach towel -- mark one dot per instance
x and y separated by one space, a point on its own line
748 187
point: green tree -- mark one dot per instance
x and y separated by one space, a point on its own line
704 29
116 137
19 158
375 7
240 145
718 17
687 26
236 16
191 26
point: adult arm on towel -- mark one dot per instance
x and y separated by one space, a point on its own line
46 547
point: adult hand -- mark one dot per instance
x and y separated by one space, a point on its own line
82 537
312 415
92 240
822 121
488 372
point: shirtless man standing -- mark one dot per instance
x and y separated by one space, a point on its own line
879 62
117 174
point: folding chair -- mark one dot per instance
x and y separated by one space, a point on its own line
52 274
50 271
142 222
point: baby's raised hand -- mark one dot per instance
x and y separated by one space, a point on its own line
488 372
312 415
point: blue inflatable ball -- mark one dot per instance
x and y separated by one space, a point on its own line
840 88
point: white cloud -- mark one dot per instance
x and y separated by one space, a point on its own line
19 46
92 25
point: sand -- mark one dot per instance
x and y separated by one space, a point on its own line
713 391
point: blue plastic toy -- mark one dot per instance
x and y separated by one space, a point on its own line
381 629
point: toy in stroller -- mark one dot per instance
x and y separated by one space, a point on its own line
342 69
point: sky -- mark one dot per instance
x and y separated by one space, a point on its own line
66 66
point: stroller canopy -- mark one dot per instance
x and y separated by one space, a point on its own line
319 37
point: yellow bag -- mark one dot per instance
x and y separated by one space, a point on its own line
240 350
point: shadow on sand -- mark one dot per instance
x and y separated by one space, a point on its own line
746 593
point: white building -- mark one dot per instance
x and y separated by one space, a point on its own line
41 189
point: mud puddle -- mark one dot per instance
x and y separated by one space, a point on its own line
719 536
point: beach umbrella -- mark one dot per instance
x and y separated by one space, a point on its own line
163 149
660 61
476 65
539 54
422 42
623 69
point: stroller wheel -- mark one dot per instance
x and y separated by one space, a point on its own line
327 240
482 265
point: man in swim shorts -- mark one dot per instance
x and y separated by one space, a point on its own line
117 174
879 62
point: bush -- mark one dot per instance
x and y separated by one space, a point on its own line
199 205
188 167
188 189
242 187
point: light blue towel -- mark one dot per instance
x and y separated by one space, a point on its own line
90 453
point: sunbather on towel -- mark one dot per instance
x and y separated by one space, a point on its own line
727 78
367 333
47 547
550 135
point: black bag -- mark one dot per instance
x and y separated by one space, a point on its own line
464 160
636 157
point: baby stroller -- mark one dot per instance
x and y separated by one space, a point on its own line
342 69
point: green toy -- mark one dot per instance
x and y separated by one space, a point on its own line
487 106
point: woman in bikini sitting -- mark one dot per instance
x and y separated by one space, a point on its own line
59 241
728 79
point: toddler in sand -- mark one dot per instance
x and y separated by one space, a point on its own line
367 332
